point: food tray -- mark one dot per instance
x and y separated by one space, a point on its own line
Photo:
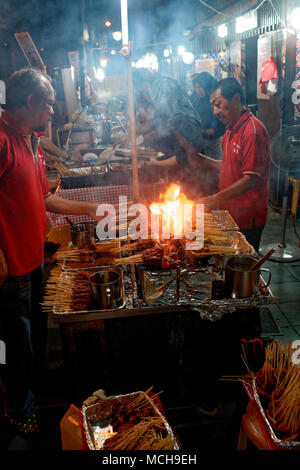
87 170
135 289
84 180
273 441
224 218
96 419
139 295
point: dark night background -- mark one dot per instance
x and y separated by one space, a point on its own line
57 26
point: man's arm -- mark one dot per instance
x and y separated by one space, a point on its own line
60 205
51 148
235 190
196 159
168 163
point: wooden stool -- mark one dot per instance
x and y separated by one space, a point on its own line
70 430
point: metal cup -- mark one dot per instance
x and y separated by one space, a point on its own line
107 288
239 280
84 236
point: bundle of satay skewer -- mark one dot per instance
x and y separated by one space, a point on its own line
136 425
278 386
67 292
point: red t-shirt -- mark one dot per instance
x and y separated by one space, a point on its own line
246 151
23 187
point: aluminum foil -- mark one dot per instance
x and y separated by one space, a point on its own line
224 218
179 289
86 171
215 309
250 387
97 418
195 289
239 243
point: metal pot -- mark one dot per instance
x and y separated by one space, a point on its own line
107 287
83 235
239 280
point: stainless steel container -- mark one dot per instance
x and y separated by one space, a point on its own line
84 236
107 287
239 280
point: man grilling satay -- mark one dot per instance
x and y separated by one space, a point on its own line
24 199
244 170
164 110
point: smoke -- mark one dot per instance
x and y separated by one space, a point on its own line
163 21
47 21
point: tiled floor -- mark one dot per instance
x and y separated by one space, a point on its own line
285 280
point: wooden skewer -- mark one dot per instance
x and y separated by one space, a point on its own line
262 260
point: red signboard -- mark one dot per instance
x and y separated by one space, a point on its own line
29 50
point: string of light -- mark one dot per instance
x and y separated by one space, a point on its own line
214 10
228 16
253 10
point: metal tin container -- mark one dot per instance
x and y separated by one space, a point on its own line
239 280
84 236
107 287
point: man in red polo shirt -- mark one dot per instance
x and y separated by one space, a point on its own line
24 199
244 170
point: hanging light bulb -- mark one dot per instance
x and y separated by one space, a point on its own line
188 58
103 62
117 35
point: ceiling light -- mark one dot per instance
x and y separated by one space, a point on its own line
103 62
124 22
246 22
222 31
86 35
180 50
117 35
295 19
188 58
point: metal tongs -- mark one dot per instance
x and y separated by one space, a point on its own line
76 229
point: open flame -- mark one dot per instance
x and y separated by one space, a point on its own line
172 211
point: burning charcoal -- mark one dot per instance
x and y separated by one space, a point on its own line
145 244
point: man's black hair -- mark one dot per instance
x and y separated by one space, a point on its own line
229 87
204 80
24 82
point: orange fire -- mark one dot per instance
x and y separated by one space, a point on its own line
172 211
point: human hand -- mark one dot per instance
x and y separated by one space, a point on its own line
151 161
210 202
92 210
193 156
